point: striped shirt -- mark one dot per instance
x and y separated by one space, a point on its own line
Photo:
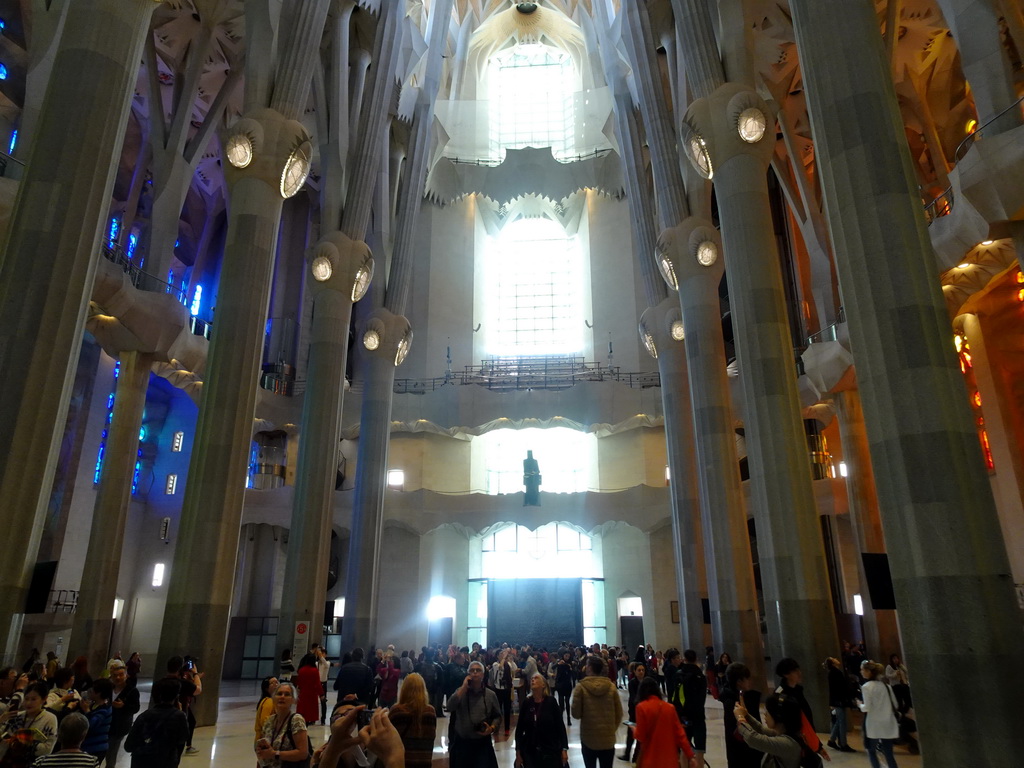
67 760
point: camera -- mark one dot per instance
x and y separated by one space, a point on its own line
363 718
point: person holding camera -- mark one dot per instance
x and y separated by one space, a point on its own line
477 717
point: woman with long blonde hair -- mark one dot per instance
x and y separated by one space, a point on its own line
415 721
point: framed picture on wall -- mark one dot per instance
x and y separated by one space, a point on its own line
674 604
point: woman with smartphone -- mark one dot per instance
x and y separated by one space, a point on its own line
284 740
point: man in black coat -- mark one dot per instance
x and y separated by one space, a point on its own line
125 705
695 689
355 678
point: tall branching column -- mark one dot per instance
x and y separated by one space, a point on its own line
733 598
59 212
975 25
267 153
339 274
386 336
947 556
692 262
728 138
93 615
662 334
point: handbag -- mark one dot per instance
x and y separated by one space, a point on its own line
291 739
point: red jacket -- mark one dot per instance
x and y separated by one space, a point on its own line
660 734
310 691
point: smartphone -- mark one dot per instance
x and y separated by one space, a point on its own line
363 718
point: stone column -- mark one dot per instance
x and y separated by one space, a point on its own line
268 154
60 211
690 255
202 574
881 632
730 581
93 616
385 338
986 65
949 565
729 139
386 329
661 333
340 272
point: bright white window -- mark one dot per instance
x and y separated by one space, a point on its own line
441 607
535 278
532 91
172 485
396 479
563 454
177 442
555 550
158 574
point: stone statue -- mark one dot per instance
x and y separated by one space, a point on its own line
532 480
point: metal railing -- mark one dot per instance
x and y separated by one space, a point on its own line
11 167
145 281
493 162
523 373
62 601
943 204
830 332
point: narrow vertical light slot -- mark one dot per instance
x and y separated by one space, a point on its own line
339 607
858 605
177 442
172 485
668 474
158 575
118 606
843 471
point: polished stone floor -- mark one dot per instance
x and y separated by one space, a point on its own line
229 743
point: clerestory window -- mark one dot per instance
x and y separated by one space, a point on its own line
535 281
532 100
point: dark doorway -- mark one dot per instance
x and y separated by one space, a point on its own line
439 632
538 612
631 630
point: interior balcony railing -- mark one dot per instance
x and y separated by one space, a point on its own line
554 372
943 204
830 332
11 167
62 601
142 280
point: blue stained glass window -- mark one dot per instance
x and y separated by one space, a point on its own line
197 301
14 142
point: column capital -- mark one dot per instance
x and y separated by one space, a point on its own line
734 120
690 251
265 145
339 263
661 327
386 335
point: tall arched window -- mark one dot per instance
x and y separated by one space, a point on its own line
534 278
532 100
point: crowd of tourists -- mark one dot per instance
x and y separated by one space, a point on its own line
52 715
388 704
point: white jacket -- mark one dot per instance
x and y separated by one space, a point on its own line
879 703
498 675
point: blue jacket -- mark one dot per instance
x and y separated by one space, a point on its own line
97 740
